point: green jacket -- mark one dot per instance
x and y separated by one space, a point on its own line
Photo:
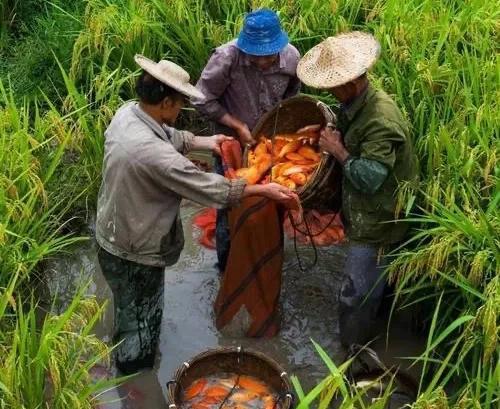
381 155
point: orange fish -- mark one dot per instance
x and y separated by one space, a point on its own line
283 167
195 389
261 148
269 402
309 153
295 169
253 385
294 157
299 178
310 128
303 162
290 184
243 396
310 168
199 405
278 144
292 146
251 174
229 383
251 158
217 392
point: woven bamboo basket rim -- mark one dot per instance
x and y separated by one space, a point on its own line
328 118
184 368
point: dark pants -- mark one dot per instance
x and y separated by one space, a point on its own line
222 240
361 293
138 306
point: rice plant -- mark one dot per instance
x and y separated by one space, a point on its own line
337 390
50 158
48 365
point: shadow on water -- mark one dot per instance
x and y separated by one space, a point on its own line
309 311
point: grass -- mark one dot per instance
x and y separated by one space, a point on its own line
50 161
48 364
67 67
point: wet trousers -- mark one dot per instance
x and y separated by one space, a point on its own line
222 240
138 306
361 293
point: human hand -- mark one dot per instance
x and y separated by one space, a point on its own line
277 192
245 136
331 141
216 141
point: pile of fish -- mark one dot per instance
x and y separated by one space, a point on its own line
313 226
287 159
229 391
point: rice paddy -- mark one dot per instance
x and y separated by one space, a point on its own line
64 70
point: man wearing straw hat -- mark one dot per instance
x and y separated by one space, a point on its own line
372 142
243 80
145 176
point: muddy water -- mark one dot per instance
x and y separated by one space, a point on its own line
309 311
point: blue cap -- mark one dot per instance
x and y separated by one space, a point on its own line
262 34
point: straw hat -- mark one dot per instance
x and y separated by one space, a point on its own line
338 60
170 74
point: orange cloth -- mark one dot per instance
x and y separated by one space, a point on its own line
252 280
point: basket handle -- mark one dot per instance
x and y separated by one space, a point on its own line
327 112
170 391
290 396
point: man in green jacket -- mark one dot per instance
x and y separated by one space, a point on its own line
372 142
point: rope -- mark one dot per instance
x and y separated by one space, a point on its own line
230 392
311 236
297 255
272 141
308 233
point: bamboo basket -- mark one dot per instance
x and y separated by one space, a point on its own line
322 190
231 360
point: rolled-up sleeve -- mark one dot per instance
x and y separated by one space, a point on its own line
369 171
212 83
181 176
366 175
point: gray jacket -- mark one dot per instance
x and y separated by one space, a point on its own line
145 177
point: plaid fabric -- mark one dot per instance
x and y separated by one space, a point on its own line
251 284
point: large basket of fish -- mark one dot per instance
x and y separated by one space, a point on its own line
230 378
287 152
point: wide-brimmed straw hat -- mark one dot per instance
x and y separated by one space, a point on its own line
170 74
262 34
338 60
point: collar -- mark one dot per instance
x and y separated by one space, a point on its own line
351 108
150 122
276 67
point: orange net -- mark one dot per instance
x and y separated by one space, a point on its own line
314 227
